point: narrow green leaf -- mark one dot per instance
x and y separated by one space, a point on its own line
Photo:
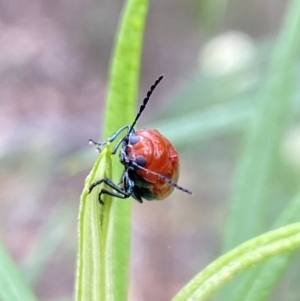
91 273
104 232
260 248
259 283
121 108
12 285
248 202
125 67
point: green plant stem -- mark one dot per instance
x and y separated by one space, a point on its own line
121 108
259 282
244 256
104 231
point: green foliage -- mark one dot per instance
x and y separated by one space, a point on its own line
12 285
244 256
248 203
104 232
93 270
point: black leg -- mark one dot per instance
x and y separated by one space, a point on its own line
122 195
113 152
119 193
111 139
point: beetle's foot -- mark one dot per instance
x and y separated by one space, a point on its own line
92 186
99 145
100 200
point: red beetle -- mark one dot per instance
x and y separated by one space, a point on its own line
150 160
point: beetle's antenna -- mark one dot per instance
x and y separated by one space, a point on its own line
166 179
145 101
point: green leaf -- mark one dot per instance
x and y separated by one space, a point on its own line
260 248
248 202
125 67
260 281
12 285
93 224
104 232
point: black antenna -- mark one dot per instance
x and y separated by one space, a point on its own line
166 179
145 101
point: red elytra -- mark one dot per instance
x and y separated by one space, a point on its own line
161 157
151 163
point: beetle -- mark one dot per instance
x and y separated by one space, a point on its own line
151 163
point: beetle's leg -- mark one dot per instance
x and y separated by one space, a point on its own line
111 138
121 140
113 152
119 192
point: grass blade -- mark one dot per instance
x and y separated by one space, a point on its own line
242 257
248 202
259 282
248 206
91 274
12 285
104 237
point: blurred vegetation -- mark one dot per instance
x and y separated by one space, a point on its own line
216 58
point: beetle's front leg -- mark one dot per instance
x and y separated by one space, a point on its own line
101 144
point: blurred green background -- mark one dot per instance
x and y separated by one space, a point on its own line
54 57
